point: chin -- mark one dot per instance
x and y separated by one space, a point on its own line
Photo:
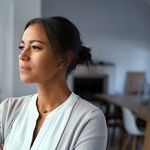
26 80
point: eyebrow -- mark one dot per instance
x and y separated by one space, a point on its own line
32 41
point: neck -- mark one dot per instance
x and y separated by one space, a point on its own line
50 97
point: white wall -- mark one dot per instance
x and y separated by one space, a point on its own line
117 31
6 48
128 56
1 53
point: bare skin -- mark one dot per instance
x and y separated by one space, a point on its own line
38 64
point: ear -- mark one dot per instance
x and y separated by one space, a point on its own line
61 62
69 57
66 60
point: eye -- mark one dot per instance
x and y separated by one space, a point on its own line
35 47
21 47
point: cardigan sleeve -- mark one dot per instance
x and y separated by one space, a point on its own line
4 117
94 133
2 122
8 112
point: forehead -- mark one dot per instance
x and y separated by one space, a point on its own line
35 32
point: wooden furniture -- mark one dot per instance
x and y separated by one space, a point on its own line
114 122
134 104
134 82
133 85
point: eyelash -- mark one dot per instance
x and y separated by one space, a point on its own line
21 47
32 47
36 47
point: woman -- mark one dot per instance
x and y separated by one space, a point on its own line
55 117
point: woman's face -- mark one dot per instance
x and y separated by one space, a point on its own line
37 61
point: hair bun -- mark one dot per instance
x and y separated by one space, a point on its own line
84 56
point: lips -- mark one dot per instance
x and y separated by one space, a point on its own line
25 68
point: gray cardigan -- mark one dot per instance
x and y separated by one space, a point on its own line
86 128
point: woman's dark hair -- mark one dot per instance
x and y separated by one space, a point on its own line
64 36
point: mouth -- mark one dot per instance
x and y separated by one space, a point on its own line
25 68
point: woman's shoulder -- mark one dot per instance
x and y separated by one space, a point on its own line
87 110
86 106
16 100
9 110
14 103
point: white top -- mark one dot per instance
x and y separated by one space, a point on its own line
20 136
74 125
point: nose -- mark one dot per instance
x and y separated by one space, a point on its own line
24 55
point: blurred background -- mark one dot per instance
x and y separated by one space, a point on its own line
118 31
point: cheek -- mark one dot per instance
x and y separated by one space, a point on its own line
46 65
